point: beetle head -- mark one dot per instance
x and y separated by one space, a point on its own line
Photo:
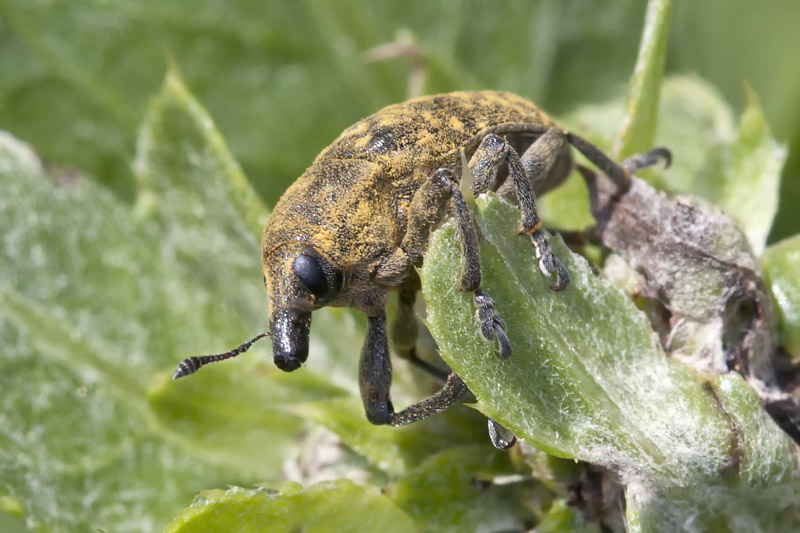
299 280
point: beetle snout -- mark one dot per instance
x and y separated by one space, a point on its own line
290 340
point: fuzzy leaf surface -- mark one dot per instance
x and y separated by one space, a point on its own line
638 129
579 389
101 300
333 506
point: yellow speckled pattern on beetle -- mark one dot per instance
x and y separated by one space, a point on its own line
397 148
356 225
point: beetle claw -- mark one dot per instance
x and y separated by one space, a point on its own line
562 276
549 263
504 346
501 438
492 326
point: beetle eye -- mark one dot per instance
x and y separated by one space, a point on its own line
309 272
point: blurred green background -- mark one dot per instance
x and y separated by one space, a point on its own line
282 79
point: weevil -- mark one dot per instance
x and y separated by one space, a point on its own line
355 227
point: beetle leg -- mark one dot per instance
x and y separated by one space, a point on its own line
439 374
426 210
492 327
501 438
540 158
470 278
375 372
375 380
454 389
491 154
620 175
538 161
403 333
581 237
650 158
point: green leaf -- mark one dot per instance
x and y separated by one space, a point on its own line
752 175
562 351
100 303
577 388
228 413
780 262
698 125
760 491
445 492
10 523
332 506
180 154
12 506
394 450
638 128
562 517
78 449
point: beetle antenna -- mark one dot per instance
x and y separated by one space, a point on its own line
190 365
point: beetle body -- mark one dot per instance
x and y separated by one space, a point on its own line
356 224
353 202
352 205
